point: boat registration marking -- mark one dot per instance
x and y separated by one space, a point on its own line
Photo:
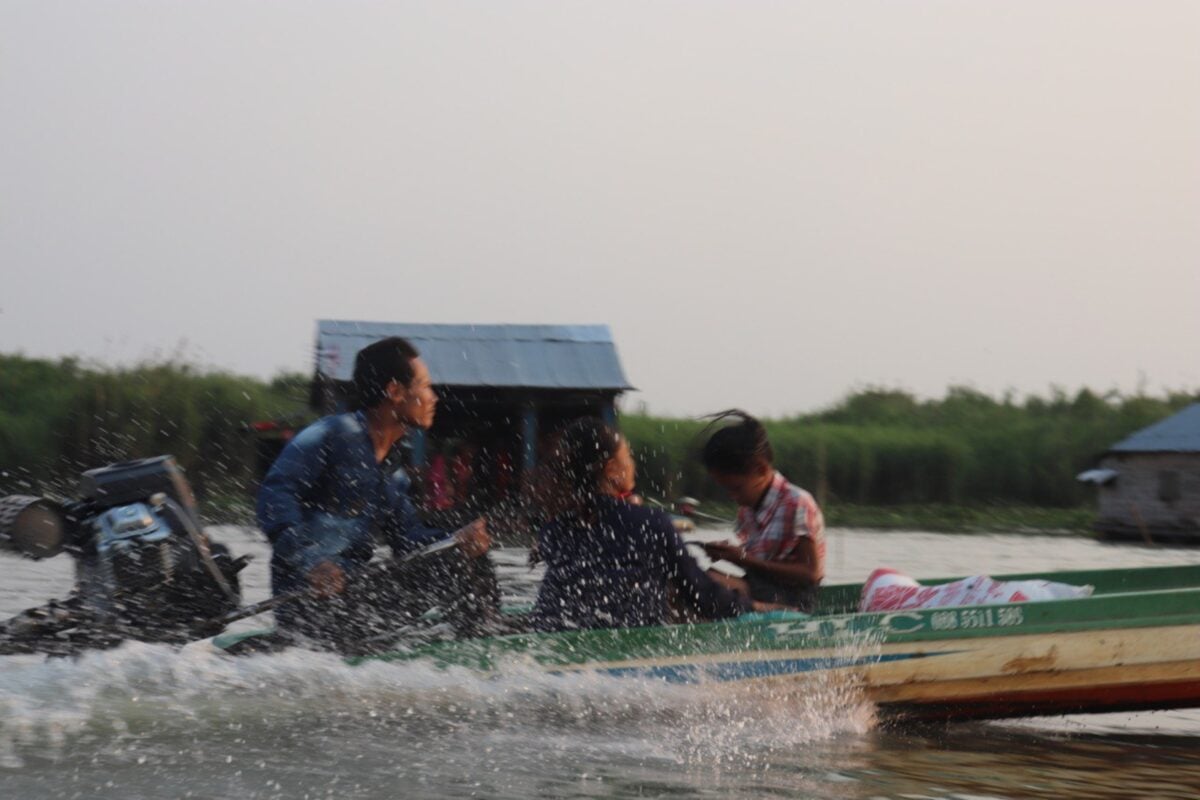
985 617
950 619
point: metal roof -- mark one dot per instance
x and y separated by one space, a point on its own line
525 356
1179 433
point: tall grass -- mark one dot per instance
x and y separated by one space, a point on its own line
57 418
881 447
875 447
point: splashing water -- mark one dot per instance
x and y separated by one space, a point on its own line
139 689
148 710
149 721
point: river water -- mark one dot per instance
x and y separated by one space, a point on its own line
150 722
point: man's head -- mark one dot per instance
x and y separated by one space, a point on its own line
740 459
390 372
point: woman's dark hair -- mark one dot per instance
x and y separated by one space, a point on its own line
380 363
737 449
583 448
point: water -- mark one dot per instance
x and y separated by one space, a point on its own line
149 722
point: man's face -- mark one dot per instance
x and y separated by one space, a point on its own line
416 403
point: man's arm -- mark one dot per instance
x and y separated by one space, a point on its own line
411 532
280 498
405 530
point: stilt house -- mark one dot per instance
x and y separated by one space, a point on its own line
1149 483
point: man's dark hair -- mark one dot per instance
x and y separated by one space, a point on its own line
737 449
380 363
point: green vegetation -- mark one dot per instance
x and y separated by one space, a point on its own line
888 451
879 458
58 418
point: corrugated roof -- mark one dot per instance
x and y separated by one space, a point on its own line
525 356
1179 433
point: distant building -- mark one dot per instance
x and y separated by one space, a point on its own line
1149 483
503 384
504 391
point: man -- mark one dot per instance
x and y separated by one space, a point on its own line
337 488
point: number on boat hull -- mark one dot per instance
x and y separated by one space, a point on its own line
900 622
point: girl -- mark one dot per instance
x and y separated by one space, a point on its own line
610 563
780 530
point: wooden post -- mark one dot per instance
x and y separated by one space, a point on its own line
1141 523
608 413
529 435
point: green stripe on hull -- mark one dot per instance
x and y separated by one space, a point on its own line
1124 599
800 632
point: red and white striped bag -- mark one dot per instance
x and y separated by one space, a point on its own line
890 590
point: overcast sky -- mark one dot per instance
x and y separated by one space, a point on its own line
770 203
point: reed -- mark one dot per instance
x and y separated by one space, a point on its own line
57 418
885 448
875 448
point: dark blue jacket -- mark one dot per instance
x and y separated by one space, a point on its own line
327 499
615 572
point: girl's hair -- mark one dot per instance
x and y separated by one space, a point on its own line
737 449
582 450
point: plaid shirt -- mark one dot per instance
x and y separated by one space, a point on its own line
786 515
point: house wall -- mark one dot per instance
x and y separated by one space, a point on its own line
1137 498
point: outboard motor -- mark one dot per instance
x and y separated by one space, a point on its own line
144 568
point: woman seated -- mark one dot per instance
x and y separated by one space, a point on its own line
610 563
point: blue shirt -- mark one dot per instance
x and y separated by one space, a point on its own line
326 498
615 572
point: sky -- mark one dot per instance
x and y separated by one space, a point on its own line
771 203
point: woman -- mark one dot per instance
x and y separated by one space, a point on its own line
610 563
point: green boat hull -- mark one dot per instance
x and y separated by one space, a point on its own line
1134 644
